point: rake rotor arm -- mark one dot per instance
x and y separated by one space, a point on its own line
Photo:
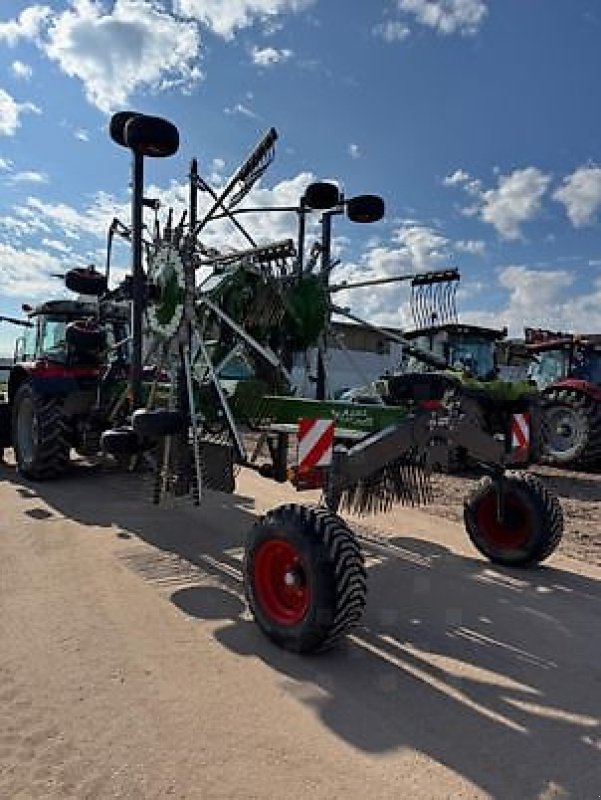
246 174
200 183
340 287
23 323
413 439
423 355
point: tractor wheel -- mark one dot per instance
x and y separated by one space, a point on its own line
158 422
151 136
86 280
531 526
304 577
322 196
121 442
365 208
571 424
40 435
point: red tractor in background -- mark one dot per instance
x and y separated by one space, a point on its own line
68 382
567 371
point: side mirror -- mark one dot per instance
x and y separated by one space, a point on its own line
365 208
322 196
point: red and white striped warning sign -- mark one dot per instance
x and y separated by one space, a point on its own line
520 433
315 443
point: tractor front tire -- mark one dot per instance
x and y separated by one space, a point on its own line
571 425
531 523
304 577
40 434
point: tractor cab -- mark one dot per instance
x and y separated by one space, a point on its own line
560 357
467 348
62 332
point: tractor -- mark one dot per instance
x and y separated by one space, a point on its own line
567 370
468 370
196 311
69 378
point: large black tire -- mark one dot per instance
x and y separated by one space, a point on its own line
86 280
40 434
532 524
322 196
151 136
304 577
571 426
158 422
365 208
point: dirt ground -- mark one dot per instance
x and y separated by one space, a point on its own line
129 667
579 494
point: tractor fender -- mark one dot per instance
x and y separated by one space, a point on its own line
51 379
588 389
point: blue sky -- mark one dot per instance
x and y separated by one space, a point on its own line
477 120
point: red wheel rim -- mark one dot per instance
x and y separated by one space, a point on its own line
281 584
510 533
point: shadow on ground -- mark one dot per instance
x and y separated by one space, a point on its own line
493 673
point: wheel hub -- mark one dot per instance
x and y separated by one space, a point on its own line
281 582
567 431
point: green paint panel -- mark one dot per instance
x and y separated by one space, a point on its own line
351 416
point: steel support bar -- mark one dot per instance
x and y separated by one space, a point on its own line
138 279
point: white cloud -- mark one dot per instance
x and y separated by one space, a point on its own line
6 164
422 246
21 70
82 135
413 248
392 31
29 176
471 247
354 151
27 25
581 195
27 272
447 16
516 200
241 109
135 45
542 298
55 244
226 18
459 177
269 56
10 113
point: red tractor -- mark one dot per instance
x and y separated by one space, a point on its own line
567 370
69 378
